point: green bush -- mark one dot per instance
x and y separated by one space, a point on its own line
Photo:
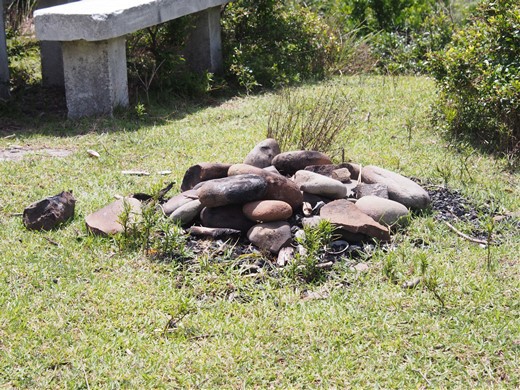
479 76
396 36
156 62
271 43
386 15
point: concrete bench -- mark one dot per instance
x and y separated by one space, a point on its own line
92 34
4 64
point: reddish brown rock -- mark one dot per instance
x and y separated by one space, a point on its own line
107 220
267 210
347 216
290 162
278 186
203 172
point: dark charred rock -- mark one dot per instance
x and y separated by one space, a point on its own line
49 213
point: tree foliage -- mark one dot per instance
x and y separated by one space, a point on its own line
479 76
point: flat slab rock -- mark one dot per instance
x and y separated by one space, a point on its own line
347 216
106 221
270 236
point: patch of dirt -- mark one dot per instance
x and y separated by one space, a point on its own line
17 153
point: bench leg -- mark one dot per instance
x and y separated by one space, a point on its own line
95 76
204 46
4 63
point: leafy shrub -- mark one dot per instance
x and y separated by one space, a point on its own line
314 241
408 51
394 36
386 15
156 62
24 60
479 76
271 43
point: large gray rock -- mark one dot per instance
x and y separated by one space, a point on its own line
178 200
290 162
271 236
48 213
345 215
400 188
385 211
187 213
278 186
203 172
317 184
263 153
107 220
238 189
267 210
226 217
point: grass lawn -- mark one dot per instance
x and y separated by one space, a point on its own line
77 312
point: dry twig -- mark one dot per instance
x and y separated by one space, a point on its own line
465 236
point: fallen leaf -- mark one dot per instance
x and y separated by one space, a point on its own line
93 153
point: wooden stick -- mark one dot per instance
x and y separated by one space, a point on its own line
465 236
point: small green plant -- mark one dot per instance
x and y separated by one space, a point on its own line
182 308
313 241
299 122
130 238
489 225
169 241
140 110
430 278
390 271
445 171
